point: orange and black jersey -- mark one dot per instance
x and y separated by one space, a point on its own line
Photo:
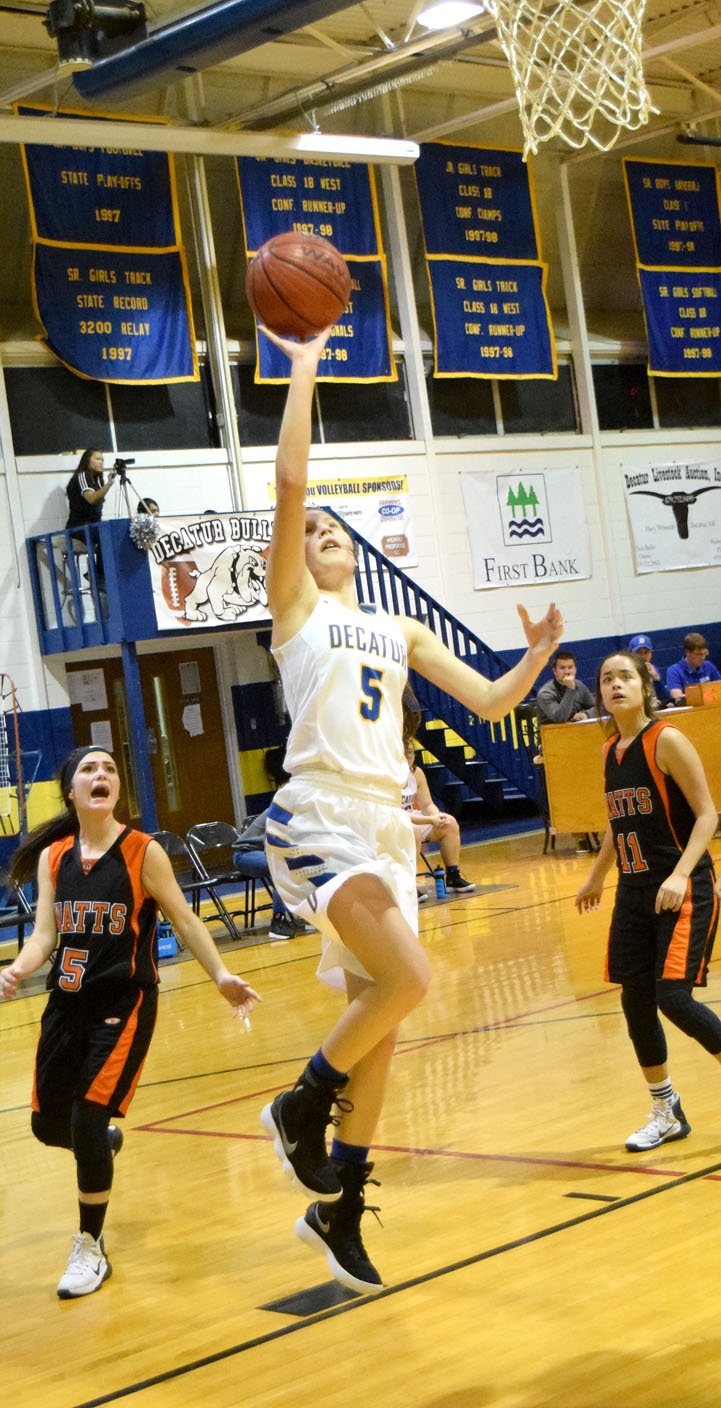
649 815
105 920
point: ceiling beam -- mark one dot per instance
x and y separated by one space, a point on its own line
204 141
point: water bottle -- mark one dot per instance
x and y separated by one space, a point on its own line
440 879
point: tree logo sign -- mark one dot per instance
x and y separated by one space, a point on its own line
523 506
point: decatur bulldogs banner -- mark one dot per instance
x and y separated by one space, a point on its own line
526 527
210 571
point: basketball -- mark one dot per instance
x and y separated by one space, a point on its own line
297 284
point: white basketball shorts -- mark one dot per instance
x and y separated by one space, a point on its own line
318 834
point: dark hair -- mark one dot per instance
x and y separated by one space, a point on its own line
695 641
24 862
84 461
641 669
412 715
143 504
561 655
274 759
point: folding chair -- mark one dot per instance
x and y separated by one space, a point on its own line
212 844
192 877
16 911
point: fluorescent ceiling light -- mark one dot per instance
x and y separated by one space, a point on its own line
445 13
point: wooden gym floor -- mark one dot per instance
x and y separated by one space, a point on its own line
530 1261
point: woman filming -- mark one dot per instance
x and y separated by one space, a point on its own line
99 887
87 490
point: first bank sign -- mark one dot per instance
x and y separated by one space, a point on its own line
526 527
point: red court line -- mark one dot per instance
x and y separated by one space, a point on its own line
529 1159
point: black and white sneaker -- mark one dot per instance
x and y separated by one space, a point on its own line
456 884
665 1123
296 1122
334 1228
281 928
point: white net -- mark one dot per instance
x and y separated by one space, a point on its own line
576 68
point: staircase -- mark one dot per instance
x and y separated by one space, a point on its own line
479 762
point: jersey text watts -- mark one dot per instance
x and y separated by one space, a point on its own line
105 921
650 818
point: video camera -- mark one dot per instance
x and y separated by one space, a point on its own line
120 468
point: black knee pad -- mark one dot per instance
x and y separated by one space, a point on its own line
644 1028
93 1156
695 1019
52 1129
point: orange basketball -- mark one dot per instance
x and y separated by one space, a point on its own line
297 284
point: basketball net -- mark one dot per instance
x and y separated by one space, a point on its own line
576 69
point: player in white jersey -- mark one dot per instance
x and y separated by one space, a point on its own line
339 846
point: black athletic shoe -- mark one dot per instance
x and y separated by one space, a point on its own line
334 1228
115 1139
296 1121
457 884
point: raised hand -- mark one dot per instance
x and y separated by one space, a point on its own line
306 353
542 636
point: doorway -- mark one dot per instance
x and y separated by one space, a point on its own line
185 732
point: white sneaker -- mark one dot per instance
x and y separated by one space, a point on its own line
666 1122
87 1268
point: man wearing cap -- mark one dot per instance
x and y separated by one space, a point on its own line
693 669
642 646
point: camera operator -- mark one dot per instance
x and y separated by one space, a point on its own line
86 491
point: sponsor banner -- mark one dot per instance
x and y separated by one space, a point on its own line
210 571
674 213
675 516
375 508
526 527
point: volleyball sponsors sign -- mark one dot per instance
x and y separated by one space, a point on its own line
376 509
675 516
526 527
210 571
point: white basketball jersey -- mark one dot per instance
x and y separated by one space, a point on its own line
343 675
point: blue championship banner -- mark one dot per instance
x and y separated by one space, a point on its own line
337 200
493 320
488 284
360 339
110 282
683 319
476 203
674 211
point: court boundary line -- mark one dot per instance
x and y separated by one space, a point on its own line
168 1375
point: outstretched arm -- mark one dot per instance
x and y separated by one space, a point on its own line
291 590
491 699
159 881
38 948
